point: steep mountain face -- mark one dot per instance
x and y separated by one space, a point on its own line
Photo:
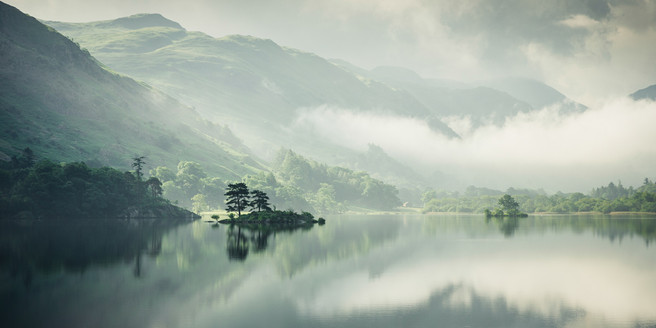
57 100
241 77
646 93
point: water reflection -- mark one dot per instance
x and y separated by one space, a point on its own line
240 237
237 244
507 225
611 227
383 271
46 247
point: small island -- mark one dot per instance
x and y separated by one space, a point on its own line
508 207
239 198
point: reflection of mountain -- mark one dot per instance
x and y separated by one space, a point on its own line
27 248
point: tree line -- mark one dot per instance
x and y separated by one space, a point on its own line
605 199
45 189
293 182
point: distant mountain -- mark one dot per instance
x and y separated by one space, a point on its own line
536 94
646 93
446 98
484 102
57 100
249 80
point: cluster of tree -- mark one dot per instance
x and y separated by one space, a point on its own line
611 198
190 187
508 206
45 189
239 198
331 189
294 182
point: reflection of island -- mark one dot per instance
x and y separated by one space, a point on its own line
46 247
507 225
245 236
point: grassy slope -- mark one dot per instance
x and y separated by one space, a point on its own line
236 72
58 100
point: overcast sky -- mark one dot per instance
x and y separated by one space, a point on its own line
588 49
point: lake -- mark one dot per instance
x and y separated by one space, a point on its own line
355 271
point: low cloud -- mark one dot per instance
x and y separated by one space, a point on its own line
540 149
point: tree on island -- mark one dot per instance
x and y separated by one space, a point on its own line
138 163
260 201
508 204
237 197
155 186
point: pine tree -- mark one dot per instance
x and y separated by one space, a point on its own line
260 201
237 197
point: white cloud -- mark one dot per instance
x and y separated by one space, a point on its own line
536 149
580 21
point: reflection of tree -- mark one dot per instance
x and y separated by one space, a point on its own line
260 240
507 225
27 248
239 242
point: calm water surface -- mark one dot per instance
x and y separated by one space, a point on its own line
355 271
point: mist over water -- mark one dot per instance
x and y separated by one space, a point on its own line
539 149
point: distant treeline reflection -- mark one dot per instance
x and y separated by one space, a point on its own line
29 247
609 227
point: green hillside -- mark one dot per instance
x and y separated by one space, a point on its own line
58 100
248 80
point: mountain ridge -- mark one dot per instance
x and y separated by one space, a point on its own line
56 99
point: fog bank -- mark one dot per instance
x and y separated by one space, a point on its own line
540 149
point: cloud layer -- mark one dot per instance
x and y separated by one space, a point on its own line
586 49
538 149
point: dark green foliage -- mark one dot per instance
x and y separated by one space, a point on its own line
52 190
260 201
286 217
508 203
507 207
333 185
155 186
612 191
237 197
137 164
606 199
